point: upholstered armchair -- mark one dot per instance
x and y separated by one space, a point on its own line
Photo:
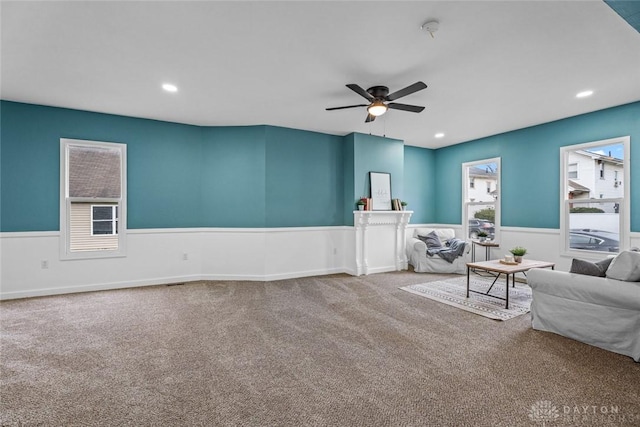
423 263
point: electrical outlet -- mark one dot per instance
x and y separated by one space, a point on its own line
44 263
185 256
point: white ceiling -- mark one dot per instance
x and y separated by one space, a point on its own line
492 67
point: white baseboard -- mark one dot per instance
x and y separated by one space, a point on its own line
381 269
30 293
272 277
95 287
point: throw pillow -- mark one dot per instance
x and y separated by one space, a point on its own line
431 240
599 269
625 266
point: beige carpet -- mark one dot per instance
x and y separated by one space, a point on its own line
336 350
453 291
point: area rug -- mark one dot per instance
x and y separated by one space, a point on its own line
454 292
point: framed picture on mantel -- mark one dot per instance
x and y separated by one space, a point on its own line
380 187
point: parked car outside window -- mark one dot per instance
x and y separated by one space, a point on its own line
594 240
476 225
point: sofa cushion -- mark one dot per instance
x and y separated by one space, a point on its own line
626 266
599 269
431 240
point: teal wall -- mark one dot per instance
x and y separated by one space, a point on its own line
178 175
420 183
377 154
233 167
162 190
531 166
350 196
264 176
369 153
303 178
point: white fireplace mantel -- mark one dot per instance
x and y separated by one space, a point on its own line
380 241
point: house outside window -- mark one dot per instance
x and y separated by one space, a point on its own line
573 171
92 199
481 201
594 208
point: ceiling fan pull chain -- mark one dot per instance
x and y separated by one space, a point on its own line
384 127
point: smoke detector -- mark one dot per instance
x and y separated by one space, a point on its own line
430 27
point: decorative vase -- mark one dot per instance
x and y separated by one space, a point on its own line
360 207
517 258
482 238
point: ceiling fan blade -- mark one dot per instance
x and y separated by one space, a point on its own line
348 106
405 107
357 89
406 91
370 118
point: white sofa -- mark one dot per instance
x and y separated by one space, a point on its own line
422 263
599 311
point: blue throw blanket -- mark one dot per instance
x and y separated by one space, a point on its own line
453 249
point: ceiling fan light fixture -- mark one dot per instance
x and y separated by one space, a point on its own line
377 108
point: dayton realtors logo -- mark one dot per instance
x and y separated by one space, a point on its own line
544 411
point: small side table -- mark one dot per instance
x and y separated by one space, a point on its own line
488 244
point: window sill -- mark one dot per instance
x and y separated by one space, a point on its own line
80 255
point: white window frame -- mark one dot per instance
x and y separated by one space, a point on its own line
113 220
65 202
624 203
465 195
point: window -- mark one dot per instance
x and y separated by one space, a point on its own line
601 169
104 220
480 207
92 199
573 171
594 212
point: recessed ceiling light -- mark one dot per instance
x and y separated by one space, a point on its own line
584 94
169 87
439 135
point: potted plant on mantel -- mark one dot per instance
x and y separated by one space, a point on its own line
518 252
404 205
360 203
482 235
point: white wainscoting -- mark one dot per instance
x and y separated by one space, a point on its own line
157 257
541 243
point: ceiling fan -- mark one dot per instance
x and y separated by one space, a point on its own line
379 97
